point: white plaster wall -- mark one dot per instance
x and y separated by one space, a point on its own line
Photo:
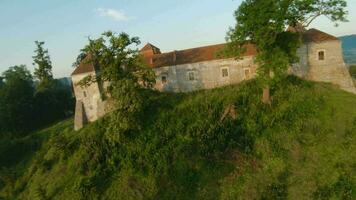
301 68
94 107
332 69
207 74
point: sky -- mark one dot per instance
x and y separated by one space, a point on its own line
65 25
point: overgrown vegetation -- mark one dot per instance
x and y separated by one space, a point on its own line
121 66
215 144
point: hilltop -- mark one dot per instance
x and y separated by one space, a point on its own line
212 144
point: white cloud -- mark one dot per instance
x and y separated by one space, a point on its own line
113 14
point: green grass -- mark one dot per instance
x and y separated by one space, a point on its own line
301 147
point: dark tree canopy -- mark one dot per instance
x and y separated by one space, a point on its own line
23 108
264 23
16 100
1 81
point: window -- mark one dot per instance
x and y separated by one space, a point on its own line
321 55
191 76
84 94
247 73
225 72
164 79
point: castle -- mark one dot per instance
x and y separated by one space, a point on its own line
198 68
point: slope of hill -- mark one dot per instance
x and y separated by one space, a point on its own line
215 144
349 48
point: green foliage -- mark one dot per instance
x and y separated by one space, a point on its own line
16 101
43 70
124 69
23 110
352 71
1 82
263 23
52 104
299 147
51 100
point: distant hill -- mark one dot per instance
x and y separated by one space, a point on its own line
349 47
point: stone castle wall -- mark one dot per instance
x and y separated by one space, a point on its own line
333 68
93 105
210 74
207 74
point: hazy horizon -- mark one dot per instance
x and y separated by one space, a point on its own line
170 25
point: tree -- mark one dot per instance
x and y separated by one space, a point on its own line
123 68
263 23
51 102
43 71
16 100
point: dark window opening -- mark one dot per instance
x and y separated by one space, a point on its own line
321 55
225 72
191 76
164 79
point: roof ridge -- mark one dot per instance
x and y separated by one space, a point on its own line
213 45
316 35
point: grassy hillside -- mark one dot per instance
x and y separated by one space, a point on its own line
215 144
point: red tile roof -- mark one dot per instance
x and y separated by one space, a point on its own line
84 67
154 58
317 36
149 47
194 55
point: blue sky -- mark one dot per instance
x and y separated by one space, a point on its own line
169 24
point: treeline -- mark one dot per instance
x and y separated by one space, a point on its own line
29 102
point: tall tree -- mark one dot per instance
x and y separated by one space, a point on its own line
43 70
16 100
263 23
122 66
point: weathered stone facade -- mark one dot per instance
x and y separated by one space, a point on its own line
90 98
194 69
332 69
204 75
